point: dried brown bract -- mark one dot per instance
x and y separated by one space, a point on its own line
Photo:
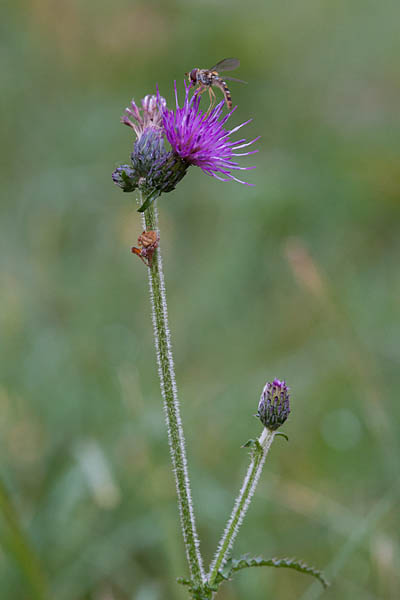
148 242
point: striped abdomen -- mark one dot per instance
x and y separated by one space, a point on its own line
225 90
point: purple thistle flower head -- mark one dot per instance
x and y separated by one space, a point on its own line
274 408
200 139
196 138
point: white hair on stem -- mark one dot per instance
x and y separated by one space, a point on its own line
166 371
242 502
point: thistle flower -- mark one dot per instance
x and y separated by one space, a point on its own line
150 115
196 138
154 169
200 139
274 408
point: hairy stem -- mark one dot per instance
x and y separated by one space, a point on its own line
242 502
166 372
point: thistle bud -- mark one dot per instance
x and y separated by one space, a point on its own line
126 178
153 168
274 408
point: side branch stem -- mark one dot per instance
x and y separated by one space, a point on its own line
166 372
242 502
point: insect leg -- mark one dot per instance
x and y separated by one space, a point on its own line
212 100
202 88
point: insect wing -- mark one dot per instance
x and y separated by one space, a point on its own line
227 64
234 79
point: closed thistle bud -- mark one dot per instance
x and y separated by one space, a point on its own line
274 408
126 178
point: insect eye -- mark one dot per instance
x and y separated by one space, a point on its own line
193 75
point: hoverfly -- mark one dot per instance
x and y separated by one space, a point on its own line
207 78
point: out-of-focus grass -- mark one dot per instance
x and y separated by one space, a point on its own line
295 278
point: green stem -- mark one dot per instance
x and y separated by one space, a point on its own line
242 502
20 547
171 405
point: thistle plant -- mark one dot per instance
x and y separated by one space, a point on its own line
201 139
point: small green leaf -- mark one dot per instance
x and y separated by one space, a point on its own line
197 592
249 444
282 434
246 561
149 201
254 445
226 570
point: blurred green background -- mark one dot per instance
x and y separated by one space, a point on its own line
296 278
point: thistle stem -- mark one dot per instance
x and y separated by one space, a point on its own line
242 502
166 373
